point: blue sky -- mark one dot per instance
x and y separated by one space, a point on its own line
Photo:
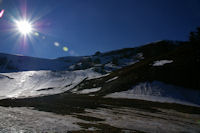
87 26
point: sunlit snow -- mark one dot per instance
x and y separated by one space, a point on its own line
35 83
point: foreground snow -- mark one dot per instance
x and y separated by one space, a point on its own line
23 120
133 120
26 120
161 92
35 83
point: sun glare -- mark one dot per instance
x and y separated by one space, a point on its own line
24 27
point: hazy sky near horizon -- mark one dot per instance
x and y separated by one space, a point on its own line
82 27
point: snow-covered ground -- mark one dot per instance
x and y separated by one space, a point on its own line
162 62
27 120
130 120
161 92
35 83
24 120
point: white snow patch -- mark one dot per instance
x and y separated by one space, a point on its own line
131 62
80 63
92 129
112 66
140 56
99 76
98 65
72 67
112 79
162 62
161 92
87 91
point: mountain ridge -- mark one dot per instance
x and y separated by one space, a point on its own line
120 57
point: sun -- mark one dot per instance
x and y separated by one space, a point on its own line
24 27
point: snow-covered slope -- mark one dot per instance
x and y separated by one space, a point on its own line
159 91
35 83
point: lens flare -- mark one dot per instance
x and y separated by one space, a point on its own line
65 49
24 27
36 34
56 44
1 13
